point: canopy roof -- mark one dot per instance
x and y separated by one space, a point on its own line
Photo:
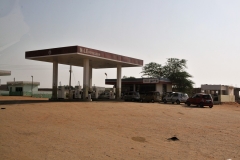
74 55
5 73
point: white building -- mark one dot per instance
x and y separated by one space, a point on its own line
220 93
162 85
22 88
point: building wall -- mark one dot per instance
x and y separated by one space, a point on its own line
13 88
159 88
4 93
26 90
146 87
212 87
169 88
224 89
230 90
227 98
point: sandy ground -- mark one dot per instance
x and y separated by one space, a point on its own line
37 129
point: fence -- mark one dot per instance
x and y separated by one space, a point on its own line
39 94
4 93
43 94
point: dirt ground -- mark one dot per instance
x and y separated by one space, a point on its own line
34 128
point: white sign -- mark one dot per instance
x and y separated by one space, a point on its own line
151 80
91 52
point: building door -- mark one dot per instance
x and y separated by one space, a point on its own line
164 88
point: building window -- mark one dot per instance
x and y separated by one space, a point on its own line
18 89
147 87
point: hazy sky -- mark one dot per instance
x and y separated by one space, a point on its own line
204 32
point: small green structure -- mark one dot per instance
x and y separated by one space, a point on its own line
22 88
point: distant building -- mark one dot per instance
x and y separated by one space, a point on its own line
4 90
237 94
5 73
22 88
3 87
220 93
162 85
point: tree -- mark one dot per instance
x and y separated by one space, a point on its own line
174 70
152 70
181 81
174 65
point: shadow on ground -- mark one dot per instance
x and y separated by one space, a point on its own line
194 106
11 102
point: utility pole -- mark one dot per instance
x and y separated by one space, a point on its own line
14 84
32 85
70 81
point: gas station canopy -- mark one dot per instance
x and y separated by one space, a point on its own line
83 57
75 55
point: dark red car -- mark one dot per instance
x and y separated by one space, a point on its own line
200 99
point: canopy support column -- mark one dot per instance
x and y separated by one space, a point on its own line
119 81
55 80
85 78
90 78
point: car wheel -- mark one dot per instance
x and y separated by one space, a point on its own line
188 103
165 101
141 100
178 102
172 102
152 100
210 106
133 100
201 105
